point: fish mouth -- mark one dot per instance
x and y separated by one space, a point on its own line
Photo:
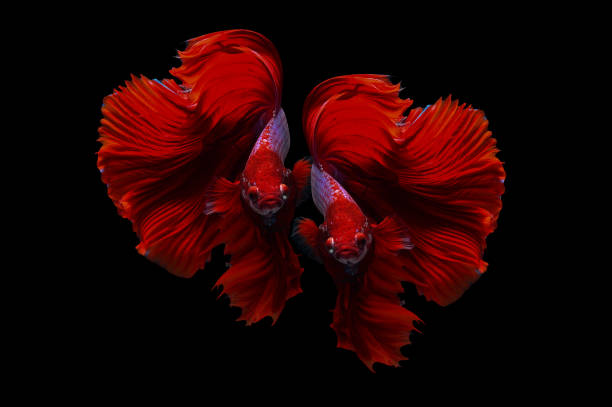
268 205
349 255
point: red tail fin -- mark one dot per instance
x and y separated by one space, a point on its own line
374 327
163 143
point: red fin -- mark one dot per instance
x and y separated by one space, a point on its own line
391 236
392 243
264 271
301 174
453 184
434 170
373 326
223 196
148 161
235 79
349 123
305 235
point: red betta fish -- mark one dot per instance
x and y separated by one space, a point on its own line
406 196
199 162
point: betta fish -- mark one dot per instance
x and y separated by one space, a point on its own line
197 161
407 195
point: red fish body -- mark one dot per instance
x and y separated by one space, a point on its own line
348 231
173 154
425 183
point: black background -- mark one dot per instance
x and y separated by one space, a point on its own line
128 316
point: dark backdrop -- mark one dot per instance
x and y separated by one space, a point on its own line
132 317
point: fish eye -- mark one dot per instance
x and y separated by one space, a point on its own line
253 192
329 244
284 190
361 239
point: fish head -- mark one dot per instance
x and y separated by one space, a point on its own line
265 183
347 235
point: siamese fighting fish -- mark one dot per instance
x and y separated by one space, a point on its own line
196 161
407 195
